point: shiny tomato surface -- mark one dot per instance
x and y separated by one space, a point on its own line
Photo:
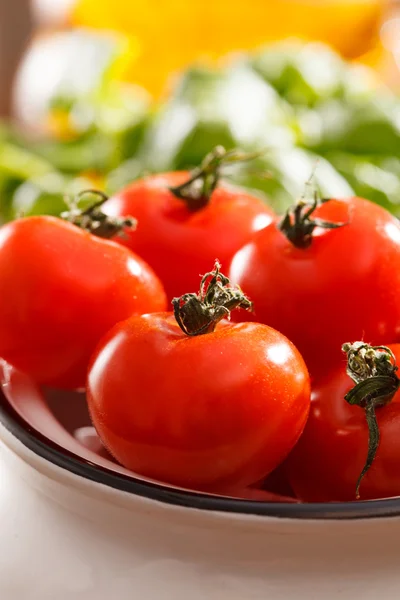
61 290
181 244
344 286
207 412
326 462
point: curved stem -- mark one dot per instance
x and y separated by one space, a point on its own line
197 314
93 219
197 190
373 369
298 223
373 444
102 196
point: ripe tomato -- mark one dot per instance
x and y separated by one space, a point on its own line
181 233
210 407
61 290
323 286
327 461
275 488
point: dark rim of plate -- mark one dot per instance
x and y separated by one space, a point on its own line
65 459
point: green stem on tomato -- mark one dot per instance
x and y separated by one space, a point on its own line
373 370
93 219
197 314
373 444
197 190
298 223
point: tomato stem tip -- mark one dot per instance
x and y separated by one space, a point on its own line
298 223
197 314
93 219
203 180
373 370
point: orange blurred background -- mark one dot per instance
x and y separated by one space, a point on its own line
164 36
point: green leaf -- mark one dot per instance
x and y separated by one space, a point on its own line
233 108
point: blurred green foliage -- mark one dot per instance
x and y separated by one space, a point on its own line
299 103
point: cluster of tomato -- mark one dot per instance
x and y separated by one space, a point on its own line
205 396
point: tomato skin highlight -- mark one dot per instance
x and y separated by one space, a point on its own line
326 462
61 290
180 244
205 412
345 286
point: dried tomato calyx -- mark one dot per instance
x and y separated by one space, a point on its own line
203 180
93 219
197 314
298 223
373 369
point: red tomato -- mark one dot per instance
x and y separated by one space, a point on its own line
61 290
274 488
277 482
208 411
327 461
180 239
343 284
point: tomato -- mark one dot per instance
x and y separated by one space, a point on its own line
326 285
275 488
61 290
327 461
181 233
277 482
198 402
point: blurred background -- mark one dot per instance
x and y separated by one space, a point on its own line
99 92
